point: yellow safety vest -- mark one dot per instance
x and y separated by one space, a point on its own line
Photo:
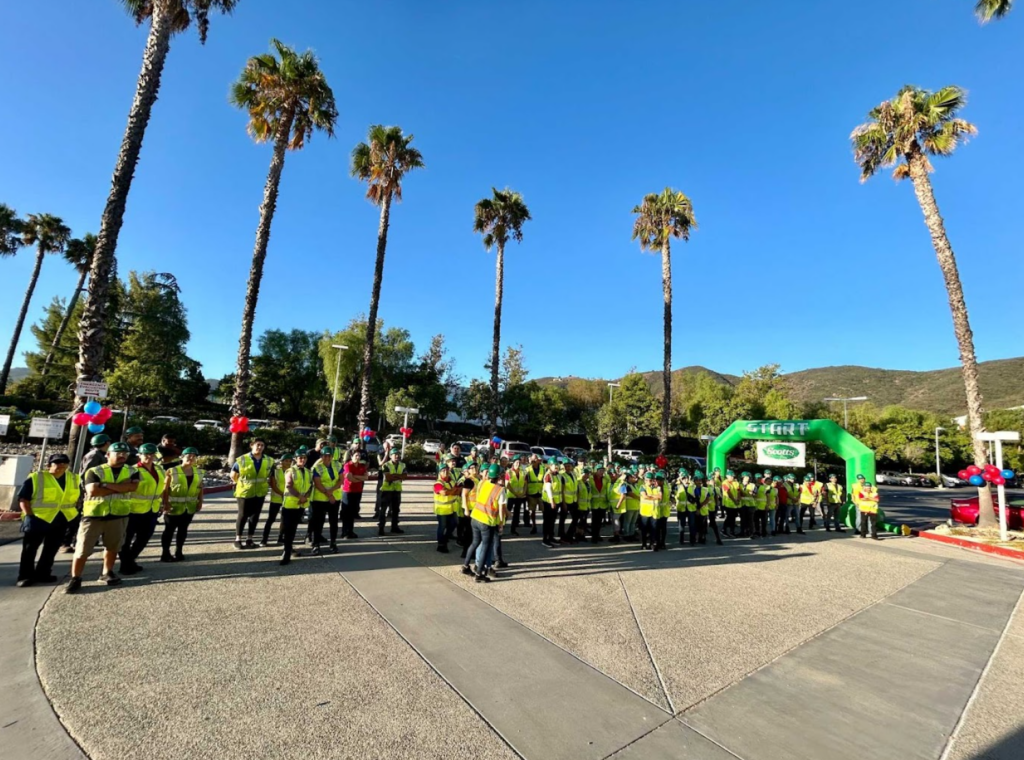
761 497
599 496
867 503
747 494
392 469
485 507
556 489
118 504
147 498
302 481
517 485
650 498
50 499
253 482
632 502
700 499
583 496
665 505
277 479
445 504
184 496
731 497
535 481
329 483
809 493
569 488
835 493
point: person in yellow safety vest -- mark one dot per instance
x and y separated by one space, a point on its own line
617 500
748 489
600 489
298 489
855 490
48 501
630 520
650 502
552 498
760 494
686 508
446 498
488 512
325 500
251 475
732 500
182 499
282 463
774 486
145 509
790 509
109 491
570 503
583 504
467 491
810 498
534 491
516 481
664 511
391 492
833 501
703 496
867 502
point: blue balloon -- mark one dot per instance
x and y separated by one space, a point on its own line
976 480
94 428
366 438
1008 474
496 441
93 407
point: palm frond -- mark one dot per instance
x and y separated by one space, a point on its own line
184 13
500 217
661 217
10 231
987 10
383 161
79 252
45 231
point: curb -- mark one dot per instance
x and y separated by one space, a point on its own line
218 489
999 551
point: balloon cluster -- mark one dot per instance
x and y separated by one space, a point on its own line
406 432
239 425
496 442
94 416
979 476
368 434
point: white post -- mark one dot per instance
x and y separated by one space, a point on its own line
337 374
1002 492
938 466
405 424
42 455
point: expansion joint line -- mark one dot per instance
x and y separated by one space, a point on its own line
647 646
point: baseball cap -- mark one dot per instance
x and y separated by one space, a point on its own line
59 459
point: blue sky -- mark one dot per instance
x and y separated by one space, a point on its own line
583 108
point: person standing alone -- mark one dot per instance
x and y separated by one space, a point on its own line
48 501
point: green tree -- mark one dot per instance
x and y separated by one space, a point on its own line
48 234
166 17
986 10
132 382
399 397
288 99
904 132
287 375
382 163
62 353
659 219
633 411
10 231
78 254
499 219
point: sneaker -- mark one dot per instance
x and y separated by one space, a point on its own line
179 557
502 564
380 531
482 579
492 572
279 541
285 559
533 531
166 557
73 585
443 549
264 544
249 544
239 545
334 548
466 570
110 579
130 569
397 530
25 582
351 536
66 549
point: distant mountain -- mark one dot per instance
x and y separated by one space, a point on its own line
940 391
18 373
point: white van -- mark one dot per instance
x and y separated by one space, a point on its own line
629 455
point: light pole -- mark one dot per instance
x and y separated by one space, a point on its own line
407 410
337 374
938 467
997 438
846 413
610 392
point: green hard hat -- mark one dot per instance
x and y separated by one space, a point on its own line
808 478
302 449
660 474
133 431
493 471
684 472
648 474
100 440
147 448
332 438
745 475
698 475
718 469
767 473
791 476
730 474
284 456
190 451
300 452
118 447
552 460
833 476
860 477
776 479
327 451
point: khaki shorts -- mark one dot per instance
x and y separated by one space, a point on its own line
90 530
533 501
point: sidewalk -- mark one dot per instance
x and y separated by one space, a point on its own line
827 647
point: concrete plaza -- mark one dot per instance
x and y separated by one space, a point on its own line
816 646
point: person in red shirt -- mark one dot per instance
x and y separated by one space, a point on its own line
353 477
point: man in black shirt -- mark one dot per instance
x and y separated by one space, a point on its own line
47 500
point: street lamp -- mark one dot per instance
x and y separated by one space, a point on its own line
938 468
407 410
998 438
610 387
846 414
337 374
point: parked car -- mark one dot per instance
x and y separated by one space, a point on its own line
628 455
373 446
163 419
61 415
546 452
432 446
395 439
464 446
258 424
966 511
952 481
305 430
509 448
211 424
889 478
576 453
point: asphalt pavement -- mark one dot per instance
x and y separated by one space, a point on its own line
925 507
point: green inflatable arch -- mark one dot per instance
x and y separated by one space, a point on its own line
860 460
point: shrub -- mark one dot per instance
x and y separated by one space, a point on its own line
209 463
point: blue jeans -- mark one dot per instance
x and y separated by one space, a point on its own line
483 542
687 524
445 528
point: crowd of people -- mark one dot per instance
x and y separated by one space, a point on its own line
123 490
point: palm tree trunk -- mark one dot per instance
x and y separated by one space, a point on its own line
91 327
64 323
371 320
499 291
240 397
961 324
5 373
666 372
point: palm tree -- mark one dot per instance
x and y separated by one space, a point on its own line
498 218
986 10
904 132
166 17
79 255
287 98
659 219
382 163
48 234
10 231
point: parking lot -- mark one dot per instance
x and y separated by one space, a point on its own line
926 507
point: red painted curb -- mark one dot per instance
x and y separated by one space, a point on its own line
999 551
10 516
218 489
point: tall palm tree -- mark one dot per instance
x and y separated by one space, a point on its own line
499 218
382 163
287 98
659 219
10 231
904 132
79 255
48 234
986 10
166 18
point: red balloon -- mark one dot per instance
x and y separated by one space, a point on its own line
973 469
82 419
999 480
991 468
963 475
988 476
102 416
